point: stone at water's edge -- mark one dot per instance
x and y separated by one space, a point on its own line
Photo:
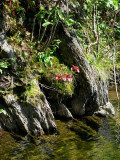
106 110
27 118
61 111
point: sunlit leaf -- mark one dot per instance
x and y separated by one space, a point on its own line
1 71
60 14
3 111
46 24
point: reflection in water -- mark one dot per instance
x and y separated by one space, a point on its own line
67 144
114 99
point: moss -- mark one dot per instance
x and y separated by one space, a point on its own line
71 139
84 131
29 65
32 93
47 76
63 87
13 26
42 97
92 121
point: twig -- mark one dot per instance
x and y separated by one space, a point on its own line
67 7
4 84
40 22
94 29
58 2
114 53
47 87
51 35
39 27
33 29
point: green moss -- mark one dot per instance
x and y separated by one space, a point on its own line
47 75
82 130
32 93
93 121
50 73
70 141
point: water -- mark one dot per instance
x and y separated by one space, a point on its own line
68 144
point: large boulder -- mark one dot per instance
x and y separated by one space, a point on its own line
91 89
30 117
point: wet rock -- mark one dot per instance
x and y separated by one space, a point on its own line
92 121
84 131
77 108
106 110
63 112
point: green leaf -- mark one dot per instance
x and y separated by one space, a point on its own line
85 7
39 15
70 16
14 1
46 24
13 59
3 111
20 9
4 64
1 71
42 8
2 91
60 14
69 22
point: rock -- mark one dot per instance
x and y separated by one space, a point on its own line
109 108
106 110
91 89
77 108
27 118
7 50
93 121
29 112
63 112
84 131
5 18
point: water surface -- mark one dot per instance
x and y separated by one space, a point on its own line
68 144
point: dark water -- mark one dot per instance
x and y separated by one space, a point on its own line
67 145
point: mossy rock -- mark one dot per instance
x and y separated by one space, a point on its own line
92 121
84 131
47 75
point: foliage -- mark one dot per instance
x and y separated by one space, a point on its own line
32 90
39 27
49 75
46 57
99 19
3 64
3 111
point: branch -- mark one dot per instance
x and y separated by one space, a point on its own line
47 87
94 28
32 35
58 2
51 34
114 53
